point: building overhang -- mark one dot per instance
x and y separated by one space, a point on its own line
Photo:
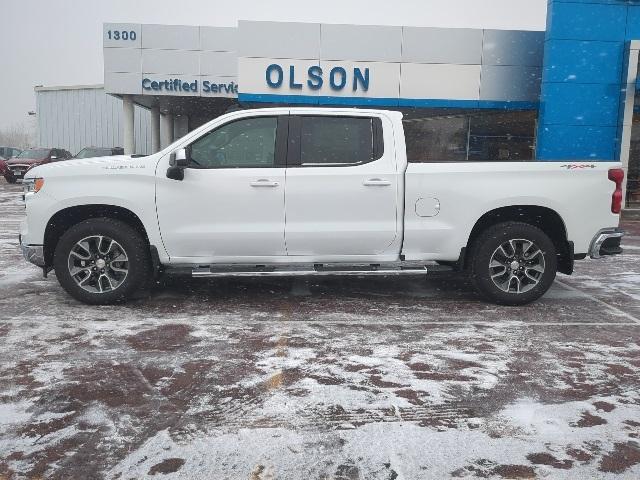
310 63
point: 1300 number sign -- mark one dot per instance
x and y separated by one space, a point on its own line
121 35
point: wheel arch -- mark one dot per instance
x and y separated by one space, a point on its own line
545 218
65 218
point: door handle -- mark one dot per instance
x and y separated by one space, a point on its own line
376 182
264 182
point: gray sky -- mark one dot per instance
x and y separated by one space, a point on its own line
59 42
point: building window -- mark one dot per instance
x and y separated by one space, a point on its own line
483 136
633 171
437 139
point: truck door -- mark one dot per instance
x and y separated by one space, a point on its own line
342 186
231 201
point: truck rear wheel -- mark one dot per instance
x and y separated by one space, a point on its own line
513 263
101 261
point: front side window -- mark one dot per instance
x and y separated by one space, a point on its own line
248 143
329 141
60 154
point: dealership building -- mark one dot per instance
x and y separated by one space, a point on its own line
571 92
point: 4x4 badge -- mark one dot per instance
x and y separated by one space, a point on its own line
570 166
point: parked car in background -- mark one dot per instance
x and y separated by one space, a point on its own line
27 159
8 152
90 152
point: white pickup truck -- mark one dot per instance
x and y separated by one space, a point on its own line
310 191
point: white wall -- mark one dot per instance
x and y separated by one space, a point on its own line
76 117
194 55
410 64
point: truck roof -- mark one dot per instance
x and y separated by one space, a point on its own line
328 109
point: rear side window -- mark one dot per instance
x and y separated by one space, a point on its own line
338 141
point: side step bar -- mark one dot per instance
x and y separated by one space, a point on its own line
314 270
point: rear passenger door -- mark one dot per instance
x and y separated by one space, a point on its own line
342 186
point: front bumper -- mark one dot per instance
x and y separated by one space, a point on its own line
18 171
606 242
32 253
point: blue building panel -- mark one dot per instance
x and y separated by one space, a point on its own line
580 61
387 102
580 20
583 76
578 143
580 104
633 22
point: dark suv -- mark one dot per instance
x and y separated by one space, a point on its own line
16 167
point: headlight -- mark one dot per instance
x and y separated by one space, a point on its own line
32 185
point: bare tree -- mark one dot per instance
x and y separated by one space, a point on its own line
17 135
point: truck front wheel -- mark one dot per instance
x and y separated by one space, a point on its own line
513 263
101 261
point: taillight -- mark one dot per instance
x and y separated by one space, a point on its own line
616 175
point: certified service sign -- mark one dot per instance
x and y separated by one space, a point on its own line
182 86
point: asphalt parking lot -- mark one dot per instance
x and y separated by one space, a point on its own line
342 378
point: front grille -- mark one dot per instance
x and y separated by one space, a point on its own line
18 169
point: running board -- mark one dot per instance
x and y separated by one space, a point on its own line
314 270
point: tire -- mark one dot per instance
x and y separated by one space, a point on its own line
11 179
119 267
533 273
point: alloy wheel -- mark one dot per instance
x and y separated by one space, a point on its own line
517 266
98 264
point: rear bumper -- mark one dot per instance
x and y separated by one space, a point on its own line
606 242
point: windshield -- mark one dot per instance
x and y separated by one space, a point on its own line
34 153
93 152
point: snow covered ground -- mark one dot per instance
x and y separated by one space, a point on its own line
344 378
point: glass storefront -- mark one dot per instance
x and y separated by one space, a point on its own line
633 174
470 136
633 171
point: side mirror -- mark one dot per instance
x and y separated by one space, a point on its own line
179 158
178 161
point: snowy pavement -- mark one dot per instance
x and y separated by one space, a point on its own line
343 378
